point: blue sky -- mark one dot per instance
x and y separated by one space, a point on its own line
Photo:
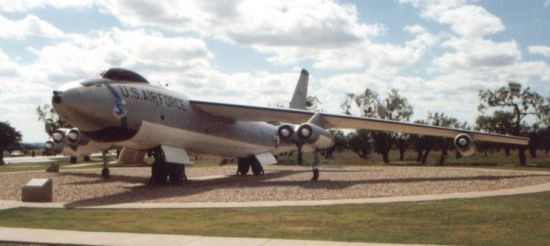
438 54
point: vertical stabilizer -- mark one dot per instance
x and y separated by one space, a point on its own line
300 93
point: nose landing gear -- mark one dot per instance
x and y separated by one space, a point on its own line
105 173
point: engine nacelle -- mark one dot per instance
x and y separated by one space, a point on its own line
464 144
285 132
73 142
58 135
76 138
53 147
315 135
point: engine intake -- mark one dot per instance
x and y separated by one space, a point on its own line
53 147
315 135
464 144
285 132
58 135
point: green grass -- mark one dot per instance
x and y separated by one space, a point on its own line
513 220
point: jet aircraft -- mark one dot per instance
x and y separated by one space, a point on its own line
121 108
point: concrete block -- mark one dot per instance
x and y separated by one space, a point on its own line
37 190
53 168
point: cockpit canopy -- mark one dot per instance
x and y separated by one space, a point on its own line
121 74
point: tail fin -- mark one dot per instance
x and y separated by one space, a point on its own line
300 93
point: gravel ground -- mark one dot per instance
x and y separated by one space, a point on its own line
86 187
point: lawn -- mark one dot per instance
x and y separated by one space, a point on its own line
513 220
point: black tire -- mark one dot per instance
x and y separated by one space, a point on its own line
159 173
257 168
176 173
243 166
105 172
315 174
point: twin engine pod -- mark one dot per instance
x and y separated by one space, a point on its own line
72 136
307 133
65 137
464 144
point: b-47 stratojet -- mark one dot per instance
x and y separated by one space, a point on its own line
121 108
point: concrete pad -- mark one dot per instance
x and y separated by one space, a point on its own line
227 241
285 242
46 236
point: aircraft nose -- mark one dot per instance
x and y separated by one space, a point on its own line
56 99
87 108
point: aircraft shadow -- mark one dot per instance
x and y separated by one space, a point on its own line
151 192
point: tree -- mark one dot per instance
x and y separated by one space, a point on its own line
360 142
393 107
425 144
520 102
501 122
313 104
440 119
9 139
340 144
402 142
52 122
51 119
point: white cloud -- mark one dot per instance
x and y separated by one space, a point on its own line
540 50
82 55
8 68
275 23
465 19
24 5
477 54
325 32
28 26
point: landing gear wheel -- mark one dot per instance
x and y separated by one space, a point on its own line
257 168
243 166
105 172
315 174
176 173
159 172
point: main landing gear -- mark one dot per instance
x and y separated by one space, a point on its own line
247 163
163 172
105 171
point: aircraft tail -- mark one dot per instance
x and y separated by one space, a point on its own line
299 99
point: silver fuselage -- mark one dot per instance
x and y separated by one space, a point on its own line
141 116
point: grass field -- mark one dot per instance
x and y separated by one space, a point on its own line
514 220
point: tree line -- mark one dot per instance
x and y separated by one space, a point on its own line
510 109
